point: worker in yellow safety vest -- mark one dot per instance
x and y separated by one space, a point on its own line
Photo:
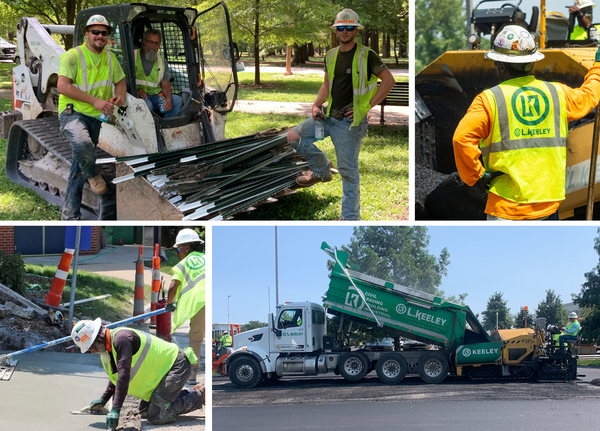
226 339
583 12
350 90
519 129
186 296
86 77
569 332
141 365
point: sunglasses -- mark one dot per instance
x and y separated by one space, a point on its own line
97 32
341 28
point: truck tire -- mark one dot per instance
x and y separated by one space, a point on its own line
391 368
433 367
354 366
245 372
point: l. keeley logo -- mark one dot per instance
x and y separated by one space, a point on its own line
419 315
466 352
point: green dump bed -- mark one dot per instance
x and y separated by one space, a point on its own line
399 310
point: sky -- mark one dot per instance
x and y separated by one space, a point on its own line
522 262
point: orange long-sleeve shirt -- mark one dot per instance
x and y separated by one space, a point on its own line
477 124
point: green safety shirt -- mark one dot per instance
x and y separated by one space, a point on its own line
149 365
226 340
579 33
190 297
363 88
149 84
92 73
528 140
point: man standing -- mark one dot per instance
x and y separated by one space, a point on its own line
141 365
86 75
152 76
187 291
570 331
519 128
350 90
583 11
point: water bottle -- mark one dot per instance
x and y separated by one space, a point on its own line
161 103
105 117
319 127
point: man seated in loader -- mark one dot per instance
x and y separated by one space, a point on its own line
519 128
141 365
569 332
152 76
583 12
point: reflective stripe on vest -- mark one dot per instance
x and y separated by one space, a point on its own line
527 141
149 84
85 85
149 365
363 88
190 296
570 326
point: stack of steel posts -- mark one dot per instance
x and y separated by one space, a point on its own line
217 180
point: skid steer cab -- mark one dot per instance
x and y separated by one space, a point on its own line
201 58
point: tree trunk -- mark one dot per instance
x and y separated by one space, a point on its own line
365 37
71 13
375 41
385 48
256 45
397 49
288 61
311 51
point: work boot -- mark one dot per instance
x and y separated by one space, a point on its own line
309 179
98 185
192 379
332 169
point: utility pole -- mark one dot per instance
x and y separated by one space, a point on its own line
74 277
228 325
276 269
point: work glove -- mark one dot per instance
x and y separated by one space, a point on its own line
487 177
170 307
112 418
97 404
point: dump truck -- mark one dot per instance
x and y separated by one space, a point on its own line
446 87
151 163
296 343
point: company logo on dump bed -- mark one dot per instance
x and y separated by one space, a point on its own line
467 352
420 315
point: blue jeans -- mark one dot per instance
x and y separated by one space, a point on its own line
152 102
347 142
82 132
566 337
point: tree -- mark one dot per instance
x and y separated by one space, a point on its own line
589 297
253 324
552 309
440 25
398 254
497 305
520 319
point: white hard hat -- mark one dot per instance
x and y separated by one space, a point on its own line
186 236
347 17
584 3
85 332
225 332
573 315
514 44
97 20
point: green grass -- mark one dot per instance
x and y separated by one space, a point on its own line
317 61
166 267
275 87
588 362
6 75
117 307
383 166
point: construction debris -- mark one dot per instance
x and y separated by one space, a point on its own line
218 180
13 303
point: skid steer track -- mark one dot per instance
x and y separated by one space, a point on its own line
39 158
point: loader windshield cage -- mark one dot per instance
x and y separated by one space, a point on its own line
173 50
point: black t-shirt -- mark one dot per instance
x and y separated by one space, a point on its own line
341 92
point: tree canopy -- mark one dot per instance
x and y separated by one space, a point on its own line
589 298
552 309
496 304
253 324
520 317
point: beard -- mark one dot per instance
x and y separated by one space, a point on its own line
150 55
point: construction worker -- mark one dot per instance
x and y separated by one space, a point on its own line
226 340
141 365
186 292
583 12
350 90
152 76
519 128
86 76
569 332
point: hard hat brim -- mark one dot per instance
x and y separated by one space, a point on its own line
358 26
87 345
503 58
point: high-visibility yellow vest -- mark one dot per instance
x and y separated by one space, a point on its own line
149 84
570 326
226 340
363 88
527 141
190 295
91 79
579 33
149 365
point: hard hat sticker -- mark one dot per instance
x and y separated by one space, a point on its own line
84 338
530 105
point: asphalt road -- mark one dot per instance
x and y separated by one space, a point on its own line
329 402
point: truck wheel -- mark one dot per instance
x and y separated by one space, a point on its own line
220 370
354 366
433 368
391 368
245 372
